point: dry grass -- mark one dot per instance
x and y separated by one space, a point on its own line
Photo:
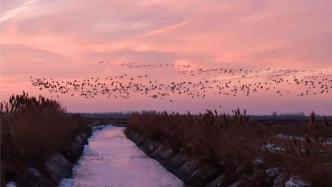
233 143
32 129
308 156
228 142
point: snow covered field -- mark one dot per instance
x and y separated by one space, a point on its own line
112 160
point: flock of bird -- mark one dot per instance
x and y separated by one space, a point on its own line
193 82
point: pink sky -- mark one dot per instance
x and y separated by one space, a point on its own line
65 39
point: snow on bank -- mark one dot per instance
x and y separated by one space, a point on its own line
111 159
327 141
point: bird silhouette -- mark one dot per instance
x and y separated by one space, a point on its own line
198 82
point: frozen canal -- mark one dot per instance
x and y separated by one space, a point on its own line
112 160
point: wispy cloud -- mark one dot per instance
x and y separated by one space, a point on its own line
26 7
165 29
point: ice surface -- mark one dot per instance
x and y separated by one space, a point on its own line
11 184
111 159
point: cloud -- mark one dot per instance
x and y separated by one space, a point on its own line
165 29
66 37
31 61
26 7
224 31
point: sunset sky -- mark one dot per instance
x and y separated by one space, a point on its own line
65 39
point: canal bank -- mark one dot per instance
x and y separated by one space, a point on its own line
59 165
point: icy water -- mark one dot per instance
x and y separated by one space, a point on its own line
112 160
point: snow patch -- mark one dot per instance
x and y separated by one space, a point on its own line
272 148
296 183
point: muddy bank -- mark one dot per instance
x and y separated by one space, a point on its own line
57 166
195 173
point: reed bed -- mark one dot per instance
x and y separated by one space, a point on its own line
33 128
238 145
